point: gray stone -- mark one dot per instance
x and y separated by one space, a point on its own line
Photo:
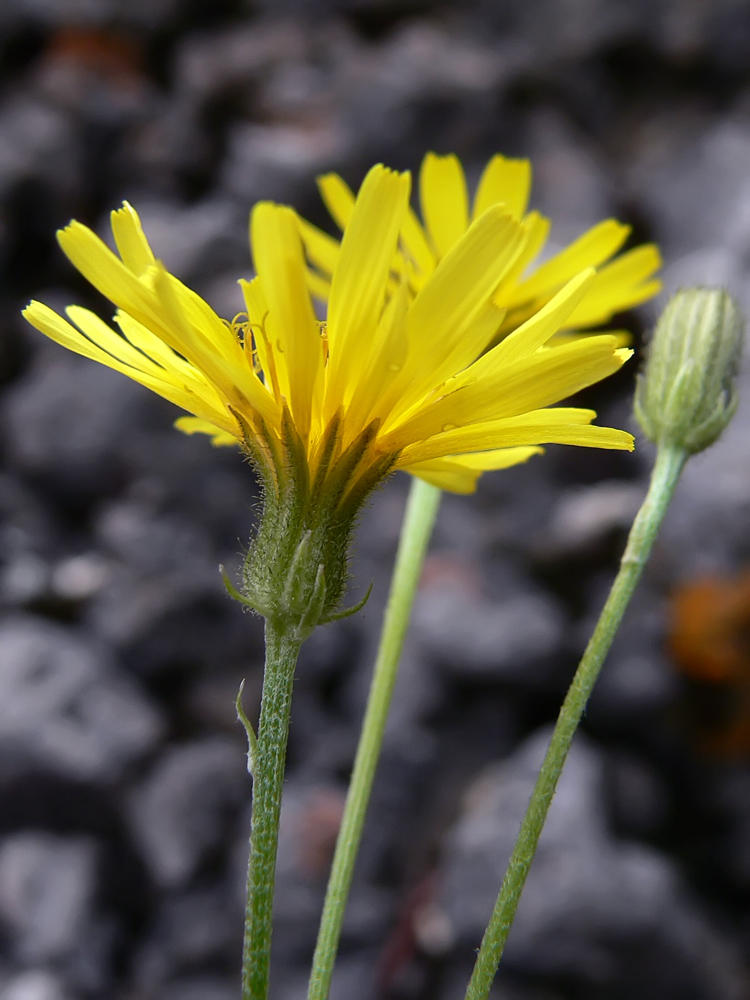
473 636
34 984
571 186
160 566
208 63
64 420
588 897
63 706
703 164
52 13
47 885
192 929
273 161
36 140
638 796
199 988
637 679
184 807
584 516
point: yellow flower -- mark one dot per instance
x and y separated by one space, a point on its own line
620 284
409 365
392 379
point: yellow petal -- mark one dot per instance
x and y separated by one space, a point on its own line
257 312
291 324
459 474
322 250
536 331
199 339
623 338
195 400
130 239
591 249
149 344
536 227
388 350
194 425
444 200
106 272
559 425
359 282
506 181
448 321
318 285
545 378
417 245
196 326
338 198
619 285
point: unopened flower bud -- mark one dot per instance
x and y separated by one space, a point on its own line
686 395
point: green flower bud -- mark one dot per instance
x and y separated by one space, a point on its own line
686 395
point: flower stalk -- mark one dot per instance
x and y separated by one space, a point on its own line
666 472
685 398
268 777
421 511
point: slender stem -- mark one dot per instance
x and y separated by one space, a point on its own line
666 472
268 780
421 511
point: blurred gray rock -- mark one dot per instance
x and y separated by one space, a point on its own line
703 164
160 564
592 905
47 885
638 796
35 984
26 536
64 421
637 679
208 64
583 517
144 13
191 930
200 988
731 794
474 637
37 141
185 806
64 707
570 184
273 161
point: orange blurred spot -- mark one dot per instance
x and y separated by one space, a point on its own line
103 53
445 570
710 633
710 643
317 828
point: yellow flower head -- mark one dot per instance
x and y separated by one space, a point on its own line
396 377
620 283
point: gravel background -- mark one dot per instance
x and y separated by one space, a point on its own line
123 794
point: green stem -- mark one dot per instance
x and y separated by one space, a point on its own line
268 780
666 472
421 511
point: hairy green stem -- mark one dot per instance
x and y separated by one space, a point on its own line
268 779
664 477
421 511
